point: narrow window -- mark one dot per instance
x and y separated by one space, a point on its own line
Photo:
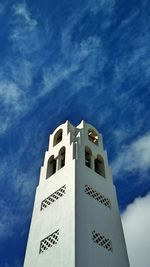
88 155
57 137
61 157
99 166
51 167
93 137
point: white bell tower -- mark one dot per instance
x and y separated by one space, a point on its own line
76 220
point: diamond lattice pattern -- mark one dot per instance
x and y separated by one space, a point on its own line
52 198
102 240
93 193
49 241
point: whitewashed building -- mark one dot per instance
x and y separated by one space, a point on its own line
76 220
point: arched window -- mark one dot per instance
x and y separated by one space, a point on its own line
57 137
99 166
61 157
93 137
51 167
88 155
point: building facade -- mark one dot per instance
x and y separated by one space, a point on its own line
76 220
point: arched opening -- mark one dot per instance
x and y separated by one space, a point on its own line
51 167
99 166
88 155
61 157
93 137
57 137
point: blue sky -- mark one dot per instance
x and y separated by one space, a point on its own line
74 60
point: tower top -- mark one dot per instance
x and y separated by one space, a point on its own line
65 129
68 143
76 220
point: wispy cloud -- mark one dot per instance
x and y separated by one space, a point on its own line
24 31
136 221
104 5
8 220
83 61
12 102
21 10
81 66
19 68
9 94
134 157
22 186
21 73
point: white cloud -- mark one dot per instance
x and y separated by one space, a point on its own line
9 93
13 103
21 10
136 225
19 69
83 61
22 72
23 188
135 156
8 220
86 59
24 32
135 62
103 5
54 75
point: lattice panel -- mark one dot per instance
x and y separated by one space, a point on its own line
102 240
49 241
97 196
52 198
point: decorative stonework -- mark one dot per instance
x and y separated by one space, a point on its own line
97 196
49 241
52 198
101 240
